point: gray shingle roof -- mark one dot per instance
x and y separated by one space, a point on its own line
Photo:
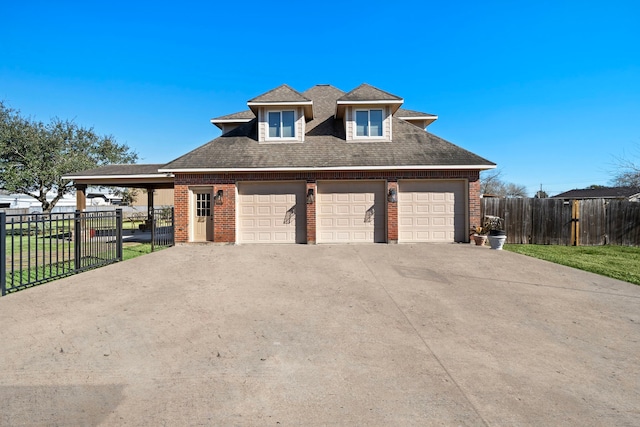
325 145
403 112
282 93
600 193
366 92
115 170
242 115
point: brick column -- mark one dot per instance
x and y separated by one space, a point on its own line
311 213
181 213
224 214
392 214
474 203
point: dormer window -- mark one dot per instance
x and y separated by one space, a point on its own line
368 123
281 124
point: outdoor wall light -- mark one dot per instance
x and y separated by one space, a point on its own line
218 197
310 196
392 196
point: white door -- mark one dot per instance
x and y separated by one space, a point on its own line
202 215
271 212
351 212
431 211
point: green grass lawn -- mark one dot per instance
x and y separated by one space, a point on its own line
133 251
619 262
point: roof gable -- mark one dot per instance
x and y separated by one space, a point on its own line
366 92
283 95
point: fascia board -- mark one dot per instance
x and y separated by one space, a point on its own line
383 101
166 174
432 117
323 169
214 121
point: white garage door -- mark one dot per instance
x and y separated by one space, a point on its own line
431 211
351 212
271 212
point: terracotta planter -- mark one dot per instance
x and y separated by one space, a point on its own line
480 239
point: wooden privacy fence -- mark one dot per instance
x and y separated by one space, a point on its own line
575 222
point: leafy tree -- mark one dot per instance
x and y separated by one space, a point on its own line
492 183
128 195
35 155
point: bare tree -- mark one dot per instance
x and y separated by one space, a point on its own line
491 183
627 173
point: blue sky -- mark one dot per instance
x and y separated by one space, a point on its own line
549 90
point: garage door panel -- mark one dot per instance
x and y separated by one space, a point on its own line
272 212
431 211
342 209
247 210
342 222
351 212
435 209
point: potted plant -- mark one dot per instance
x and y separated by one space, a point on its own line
480 234
497 235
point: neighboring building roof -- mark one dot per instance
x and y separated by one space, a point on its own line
325 145
600 193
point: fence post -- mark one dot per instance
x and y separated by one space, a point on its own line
3 252
152 214
77 241
575 223
119 243
173 227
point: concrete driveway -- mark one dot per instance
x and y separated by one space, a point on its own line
323 335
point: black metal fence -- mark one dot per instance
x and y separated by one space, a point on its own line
162 228
38 248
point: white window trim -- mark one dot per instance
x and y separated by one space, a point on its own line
355 124
281 138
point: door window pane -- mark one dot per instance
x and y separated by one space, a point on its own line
203 204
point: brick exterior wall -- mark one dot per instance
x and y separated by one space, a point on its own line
224 216
474 203
311 214
392 214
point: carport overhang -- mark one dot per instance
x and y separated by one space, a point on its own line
145 177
